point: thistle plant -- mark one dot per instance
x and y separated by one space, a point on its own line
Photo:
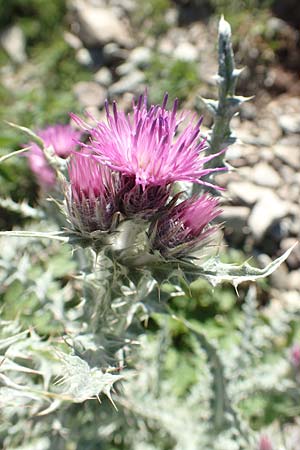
139 239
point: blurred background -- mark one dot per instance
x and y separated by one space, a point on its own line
60 56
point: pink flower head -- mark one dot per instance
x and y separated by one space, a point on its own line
91 196
186 226
265 443
63 140
145 144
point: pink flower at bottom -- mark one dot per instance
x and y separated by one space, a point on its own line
186 226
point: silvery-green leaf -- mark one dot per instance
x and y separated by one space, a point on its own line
10 155
58 236
217 272
23 208
210 105
81 382
29 133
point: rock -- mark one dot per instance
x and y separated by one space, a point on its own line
279 278
129 83
235 218
293 260
84 57
171 17
289 123
140 57
264 175
72 40
186 51
128 6
103 76
125 69
248 111
267 210
241 155
13 41
90 93
293 280
288 151
112 52
166 46
246 192
265 134
99 25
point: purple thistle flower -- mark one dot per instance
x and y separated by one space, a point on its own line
63 140
91 197
145 144
38 164
265 443
186 226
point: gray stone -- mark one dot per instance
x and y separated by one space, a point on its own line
280 278
246 192
140 57
103 76
293 280
13 41
125 69
84 57
267 210
288 150
129 83
264 175
265 133
99 25
112 52
248 111
72 40
235 218
289 123
166 46
186 52
90 93
294 258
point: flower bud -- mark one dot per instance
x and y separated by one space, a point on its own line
91 196
185 227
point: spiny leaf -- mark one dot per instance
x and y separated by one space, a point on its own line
7 342
217 272
10 155
22 208
29 133
81 382
58 236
